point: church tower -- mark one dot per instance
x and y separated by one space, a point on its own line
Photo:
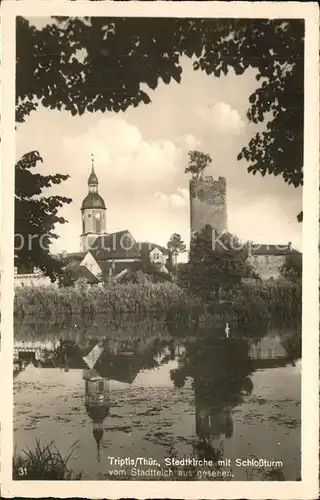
97 403
93 214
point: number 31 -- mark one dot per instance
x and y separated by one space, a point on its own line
22 471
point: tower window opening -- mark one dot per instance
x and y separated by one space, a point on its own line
98 225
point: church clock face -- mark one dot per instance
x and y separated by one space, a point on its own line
97 215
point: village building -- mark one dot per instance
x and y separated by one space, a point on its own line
268 260
208 206
30 277
108 255
103 256
156 254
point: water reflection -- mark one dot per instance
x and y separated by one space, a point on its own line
97 402
207 376
220 370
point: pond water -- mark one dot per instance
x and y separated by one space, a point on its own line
142 389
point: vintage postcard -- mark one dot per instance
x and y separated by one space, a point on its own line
160 228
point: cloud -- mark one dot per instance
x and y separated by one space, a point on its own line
123 156
191 142
222 118
180 199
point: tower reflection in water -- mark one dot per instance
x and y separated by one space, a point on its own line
220 371
97 402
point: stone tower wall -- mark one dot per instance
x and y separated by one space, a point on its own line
208 204
89 224
90 229
87 241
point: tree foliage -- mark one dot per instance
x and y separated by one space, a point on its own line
198 162
99 64
69 272
36 216
292 267
217 262
176 245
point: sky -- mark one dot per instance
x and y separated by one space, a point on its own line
140 157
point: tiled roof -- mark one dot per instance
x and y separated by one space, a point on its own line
257 249
72 255
146 247
82 272
85 273
118 267
119 245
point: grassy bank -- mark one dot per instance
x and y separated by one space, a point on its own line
260 301
44 462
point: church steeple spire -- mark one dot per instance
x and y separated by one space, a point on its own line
93 179
98 434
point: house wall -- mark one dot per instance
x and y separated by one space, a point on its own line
208 204
25 280
156 255
90 263
267 266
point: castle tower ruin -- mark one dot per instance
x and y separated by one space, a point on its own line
208 204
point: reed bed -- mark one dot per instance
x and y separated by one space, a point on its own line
251 303
256 301
51 302
271 300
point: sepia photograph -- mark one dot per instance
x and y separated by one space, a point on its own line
159 209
